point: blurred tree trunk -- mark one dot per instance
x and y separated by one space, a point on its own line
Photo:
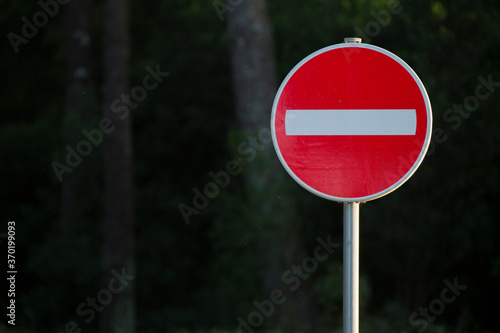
79 107
118 232
254 77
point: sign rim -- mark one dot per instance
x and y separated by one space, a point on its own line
423 150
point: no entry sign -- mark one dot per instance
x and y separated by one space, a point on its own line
351 122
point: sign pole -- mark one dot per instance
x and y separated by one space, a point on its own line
351 259
351 268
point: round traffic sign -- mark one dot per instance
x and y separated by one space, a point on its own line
351 122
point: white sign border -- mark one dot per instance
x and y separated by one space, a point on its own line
420 157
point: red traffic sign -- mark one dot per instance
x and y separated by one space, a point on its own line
351 122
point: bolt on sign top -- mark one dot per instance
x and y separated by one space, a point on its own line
351 122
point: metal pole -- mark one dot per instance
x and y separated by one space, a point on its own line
351 268
351 257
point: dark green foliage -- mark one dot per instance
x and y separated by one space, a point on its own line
442 224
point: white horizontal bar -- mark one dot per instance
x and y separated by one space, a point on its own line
351 122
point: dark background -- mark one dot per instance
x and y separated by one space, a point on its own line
225 62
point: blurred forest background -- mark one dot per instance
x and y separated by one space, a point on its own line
115 114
